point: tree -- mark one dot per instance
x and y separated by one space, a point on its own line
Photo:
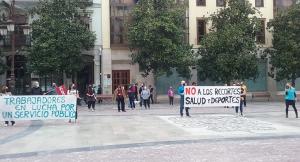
285 54
156 37
229 51
58 38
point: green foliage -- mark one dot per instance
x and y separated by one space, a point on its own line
58 38
156 37
285 54
228 52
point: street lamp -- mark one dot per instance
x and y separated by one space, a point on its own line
11 29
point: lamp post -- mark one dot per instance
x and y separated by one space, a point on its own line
11 29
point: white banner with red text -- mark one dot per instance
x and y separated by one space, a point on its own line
211 96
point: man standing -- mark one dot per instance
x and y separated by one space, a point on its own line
140 92
181 93
146 97
36 89
151 94
245 93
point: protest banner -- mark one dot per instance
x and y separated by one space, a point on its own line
39 107
208 96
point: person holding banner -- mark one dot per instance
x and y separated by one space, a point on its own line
52 91
36 89
91 98
5 93
181 93
241 103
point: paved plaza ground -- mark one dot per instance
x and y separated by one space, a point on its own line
158 134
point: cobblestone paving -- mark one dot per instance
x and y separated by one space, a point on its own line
271 150
212 134
222 123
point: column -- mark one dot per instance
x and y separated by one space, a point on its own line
97 65
106 71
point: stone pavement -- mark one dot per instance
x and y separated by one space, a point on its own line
158 134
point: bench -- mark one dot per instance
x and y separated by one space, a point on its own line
261 95
104 98
281 95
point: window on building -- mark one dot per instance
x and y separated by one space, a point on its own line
220 3
280 5
259 3
201 2
119 16
201 30
260 36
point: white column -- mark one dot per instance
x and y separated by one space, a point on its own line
97 65
106 71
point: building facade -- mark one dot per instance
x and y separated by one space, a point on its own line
117 68
91 17
200 10
116 63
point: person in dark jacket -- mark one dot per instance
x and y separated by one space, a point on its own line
91 98
131 96
36 89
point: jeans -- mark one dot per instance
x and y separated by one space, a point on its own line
147 103
182 107
91 104
244 101
287 104
141 101
151 98
241 107
121 103
171 100
131 100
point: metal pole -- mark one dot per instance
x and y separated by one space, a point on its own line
13 50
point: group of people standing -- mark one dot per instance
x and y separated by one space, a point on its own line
145 96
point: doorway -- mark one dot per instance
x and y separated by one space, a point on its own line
120 77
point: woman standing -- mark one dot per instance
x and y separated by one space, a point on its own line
119 95
290 96
5 93
91 98
171 95
145 94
